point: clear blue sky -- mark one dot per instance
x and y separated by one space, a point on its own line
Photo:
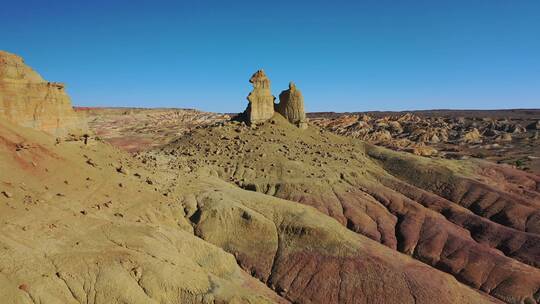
343 55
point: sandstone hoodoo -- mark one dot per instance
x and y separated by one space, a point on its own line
261 105
261 100
29 100
291 106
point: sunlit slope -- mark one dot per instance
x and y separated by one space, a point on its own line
450 215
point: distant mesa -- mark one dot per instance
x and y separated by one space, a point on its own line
261 105
30 101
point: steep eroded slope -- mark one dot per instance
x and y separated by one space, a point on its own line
405 202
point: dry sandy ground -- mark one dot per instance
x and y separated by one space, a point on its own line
90 224
227 213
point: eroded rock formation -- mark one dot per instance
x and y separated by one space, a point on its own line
261 100
497 136
291 106
474 220
29 100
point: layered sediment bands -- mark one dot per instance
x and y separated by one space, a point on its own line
365 215
517 244
354 209
28 100
520 211
393 198
510 180
315 259
429 237
498 206
306 278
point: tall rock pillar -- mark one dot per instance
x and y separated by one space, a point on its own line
261 101
291 106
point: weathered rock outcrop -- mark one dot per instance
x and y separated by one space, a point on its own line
261 100
291 106
476 221
472 136
28 100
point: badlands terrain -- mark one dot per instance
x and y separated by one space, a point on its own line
509 137
268 206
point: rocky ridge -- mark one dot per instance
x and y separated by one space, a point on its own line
452 216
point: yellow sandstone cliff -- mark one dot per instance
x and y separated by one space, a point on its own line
30 101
